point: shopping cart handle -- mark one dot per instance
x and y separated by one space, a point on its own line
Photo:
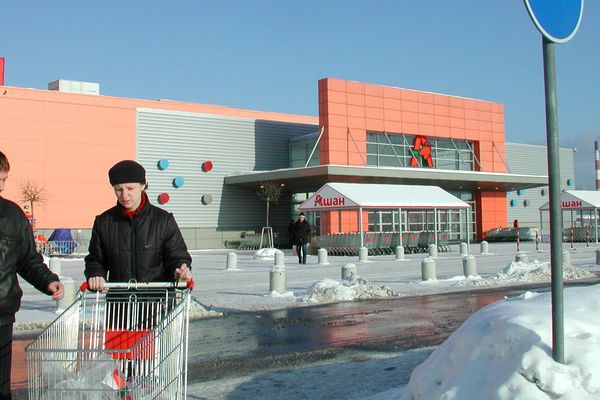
140 285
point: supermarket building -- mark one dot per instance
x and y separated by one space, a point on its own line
205 163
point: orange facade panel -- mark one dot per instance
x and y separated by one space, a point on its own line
417 113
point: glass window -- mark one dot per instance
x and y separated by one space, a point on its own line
447 153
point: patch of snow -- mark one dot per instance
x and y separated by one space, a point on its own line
535 271
268 253
504 351
355 288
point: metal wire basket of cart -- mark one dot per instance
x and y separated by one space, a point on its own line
128 342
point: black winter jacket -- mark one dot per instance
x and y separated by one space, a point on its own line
147 248
301 232
18 256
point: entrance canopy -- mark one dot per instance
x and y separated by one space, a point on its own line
346 196
585 204
577 200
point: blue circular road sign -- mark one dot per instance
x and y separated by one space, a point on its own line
557 20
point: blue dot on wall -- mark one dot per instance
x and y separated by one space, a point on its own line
569 182
513 202
520 192
163 164
178 181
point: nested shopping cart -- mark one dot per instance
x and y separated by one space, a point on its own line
128 342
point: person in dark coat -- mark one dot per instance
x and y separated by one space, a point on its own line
135 240
17 256
302 237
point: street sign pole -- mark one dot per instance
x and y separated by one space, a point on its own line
555 206
557 21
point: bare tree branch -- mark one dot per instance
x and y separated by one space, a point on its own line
33 192
270 192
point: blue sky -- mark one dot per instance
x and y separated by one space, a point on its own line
269 55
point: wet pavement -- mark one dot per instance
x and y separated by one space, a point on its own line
243 343
248 342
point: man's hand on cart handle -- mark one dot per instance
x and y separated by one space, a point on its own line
57 289
96 283
183 273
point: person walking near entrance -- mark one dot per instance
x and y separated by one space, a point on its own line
302 236
17 256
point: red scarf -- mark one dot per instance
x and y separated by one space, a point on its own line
135 212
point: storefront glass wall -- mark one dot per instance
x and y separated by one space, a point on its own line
396 150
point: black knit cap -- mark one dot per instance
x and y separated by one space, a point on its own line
126 171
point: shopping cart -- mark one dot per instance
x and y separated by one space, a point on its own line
128 342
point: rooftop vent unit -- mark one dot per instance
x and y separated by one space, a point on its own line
63 85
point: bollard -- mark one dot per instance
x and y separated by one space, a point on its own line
348 271
322 257
469 266
428 269
484 247
55 265
522 257
464 250
278 280
566 257
363 254
399 253
231 261
432 250
69 295
598 257
279 259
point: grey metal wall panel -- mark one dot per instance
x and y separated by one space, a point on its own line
532 160
232 144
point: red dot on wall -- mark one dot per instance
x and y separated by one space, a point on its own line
207 166
163 198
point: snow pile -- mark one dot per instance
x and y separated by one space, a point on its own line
352 289
28 326
504 351
268 253
535 271
198 311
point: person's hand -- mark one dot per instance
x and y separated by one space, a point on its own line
57 289
183 273
96 283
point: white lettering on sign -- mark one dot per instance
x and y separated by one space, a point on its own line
329 201
571 204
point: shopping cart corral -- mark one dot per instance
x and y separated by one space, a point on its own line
127 342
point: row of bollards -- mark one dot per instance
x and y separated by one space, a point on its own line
428 268
278 278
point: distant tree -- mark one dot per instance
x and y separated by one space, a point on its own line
33 192
270 192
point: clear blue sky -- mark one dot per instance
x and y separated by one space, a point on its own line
268 55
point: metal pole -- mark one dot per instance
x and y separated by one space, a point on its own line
596 223
400 226
435 225
360 227
555 210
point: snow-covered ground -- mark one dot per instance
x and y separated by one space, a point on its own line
501 352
